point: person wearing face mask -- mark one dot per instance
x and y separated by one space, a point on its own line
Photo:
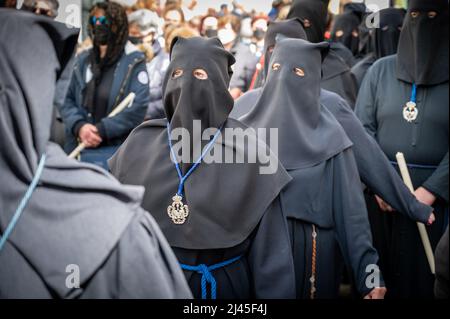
374 168
403 103
60 217
384 40
146 38
247 57
102 78
324 203
224 223
337 77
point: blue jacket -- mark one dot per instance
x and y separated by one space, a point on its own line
130 76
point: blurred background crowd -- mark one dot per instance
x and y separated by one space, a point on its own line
151 26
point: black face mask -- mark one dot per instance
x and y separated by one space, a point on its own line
290 29
423 48
135 40
385 38
211 33
259 34
102 34
186 97
313 13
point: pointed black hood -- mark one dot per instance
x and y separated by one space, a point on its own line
182 90
292 28
423 48
346 31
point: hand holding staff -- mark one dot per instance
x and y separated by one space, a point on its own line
127 102
422 230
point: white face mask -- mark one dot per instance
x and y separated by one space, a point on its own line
226 36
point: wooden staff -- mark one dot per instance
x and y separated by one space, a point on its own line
127 102
422 230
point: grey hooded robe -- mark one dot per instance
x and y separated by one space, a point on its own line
79 217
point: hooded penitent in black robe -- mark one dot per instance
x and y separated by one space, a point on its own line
373 166
79 220
336 77
325 196
422 59
361 12
235 214
384 40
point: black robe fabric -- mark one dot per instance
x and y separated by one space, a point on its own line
325 192
441 286
337 78
79 215
234 208
425 146
343 52
359 70
329 196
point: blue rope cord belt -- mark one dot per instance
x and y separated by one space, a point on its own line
416 165
23 202
207 276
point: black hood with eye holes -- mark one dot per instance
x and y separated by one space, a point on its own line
292 28
315 11
347 24
385 38
423 48
187 98
308 133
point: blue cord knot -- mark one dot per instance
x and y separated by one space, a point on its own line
207 276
